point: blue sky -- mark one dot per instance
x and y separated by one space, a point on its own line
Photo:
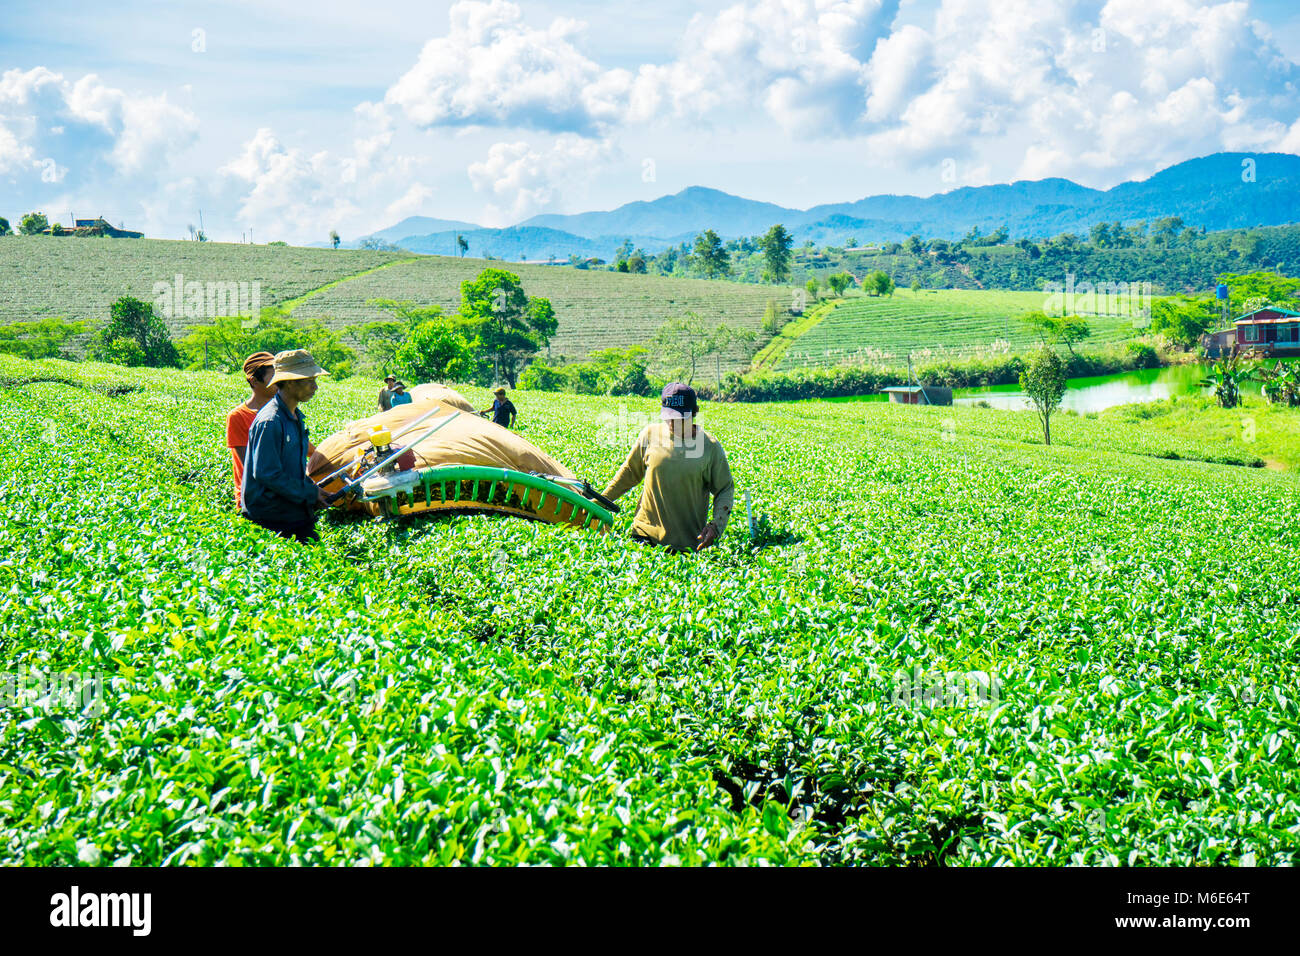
289 119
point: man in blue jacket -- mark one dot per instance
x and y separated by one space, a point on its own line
277 494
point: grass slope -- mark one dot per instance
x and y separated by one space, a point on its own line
41 276
931 325
489 690
1270 433
595 310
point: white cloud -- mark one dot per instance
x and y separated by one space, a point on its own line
85 126
1091 91
523 181
287 192
803 61
898 69
300 195
410 203
493 69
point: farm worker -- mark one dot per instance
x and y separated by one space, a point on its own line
682 466
386 393
258 369
278 495
503 410
400 395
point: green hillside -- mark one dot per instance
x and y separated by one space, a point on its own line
42 276
949 645
78 279
595 310
933 325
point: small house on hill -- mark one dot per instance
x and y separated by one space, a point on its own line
96 227
1270 331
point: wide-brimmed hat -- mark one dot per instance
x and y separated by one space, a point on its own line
399 384
295 363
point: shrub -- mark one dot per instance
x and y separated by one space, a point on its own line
33 223
46 338
135 336
1143 355
436 351
540 377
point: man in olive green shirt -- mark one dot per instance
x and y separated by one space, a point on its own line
682 466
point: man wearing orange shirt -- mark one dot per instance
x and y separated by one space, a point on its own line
258 369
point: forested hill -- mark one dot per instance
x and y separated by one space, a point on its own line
1221 191
1173 257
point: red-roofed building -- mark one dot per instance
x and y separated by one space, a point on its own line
1268 331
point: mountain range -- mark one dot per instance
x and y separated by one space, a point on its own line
1220 191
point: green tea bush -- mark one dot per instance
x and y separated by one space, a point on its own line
480 690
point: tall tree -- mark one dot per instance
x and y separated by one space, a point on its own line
879 282
710 257
684 342
33 223
334 238
1067 330
1183 319
839 281
1044 383
436 350
777 244
463 244
510 327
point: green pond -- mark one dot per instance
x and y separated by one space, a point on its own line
1085 395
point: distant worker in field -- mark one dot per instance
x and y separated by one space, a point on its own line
400 395
683 466
258 369
277 494
386 393
503 410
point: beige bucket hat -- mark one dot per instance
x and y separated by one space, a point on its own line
295 363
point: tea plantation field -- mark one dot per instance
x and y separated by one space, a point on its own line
595 310
932 325
78 279
482 690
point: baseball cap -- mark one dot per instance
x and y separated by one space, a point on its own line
295 363
678 401
258 360
499 390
